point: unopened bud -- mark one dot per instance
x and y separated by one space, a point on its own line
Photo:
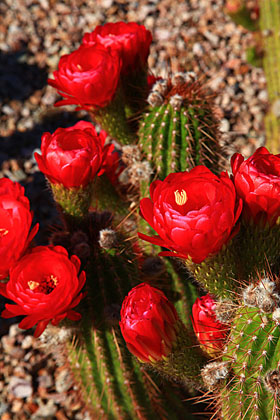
176 101
262 295
130 154
190 76
140 171
161 86
178 79
107 238
155 99
272 381
214 374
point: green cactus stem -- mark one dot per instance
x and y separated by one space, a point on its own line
74 203
218 274
180 129
113 120
109 376
258 248
270 30
183 364
251 390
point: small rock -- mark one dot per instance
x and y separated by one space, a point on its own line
27 342
14 330
45 411
16 406
20 388
63 381
225 125
198 49
45 381
7 343
3 408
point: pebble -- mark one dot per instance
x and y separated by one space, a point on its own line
27 342
224 125
45 411
19 387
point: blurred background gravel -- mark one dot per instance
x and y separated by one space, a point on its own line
192 35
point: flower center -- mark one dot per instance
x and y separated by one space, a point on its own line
46 285
3 232
180 197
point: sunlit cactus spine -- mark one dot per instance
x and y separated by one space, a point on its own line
180 129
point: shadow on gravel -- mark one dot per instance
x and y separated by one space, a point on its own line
18 79
22 144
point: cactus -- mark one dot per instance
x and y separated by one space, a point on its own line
270 26
180 130
265 53
232 256
245 380
111 381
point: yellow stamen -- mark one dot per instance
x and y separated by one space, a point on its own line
180 197
54 279
32 284
3 232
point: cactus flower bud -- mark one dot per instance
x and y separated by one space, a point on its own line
148 323
210 332
72 156
257 182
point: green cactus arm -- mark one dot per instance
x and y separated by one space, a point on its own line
270 29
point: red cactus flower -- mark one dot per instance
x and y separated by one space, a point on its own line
148 323
210 332
193 212
88 77
72 156
45 286
130 40
257 182
15 223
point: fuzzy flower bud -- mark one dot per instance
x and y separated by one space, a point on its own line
148 323
210 332
257 182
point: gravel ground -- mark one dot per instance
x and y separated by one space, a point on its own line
195 35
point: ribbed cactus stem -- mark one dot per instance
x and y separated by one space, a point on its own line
252 355
74 203
218 273
113 120
183 364
258 248
120 384
270 29
180 129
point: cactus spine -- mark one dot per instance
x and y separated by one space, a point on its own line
180 129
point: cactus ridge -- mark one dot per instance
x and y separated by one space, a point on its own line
218 273
252 352
258 247
270 24
182 130
73 202
110 378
